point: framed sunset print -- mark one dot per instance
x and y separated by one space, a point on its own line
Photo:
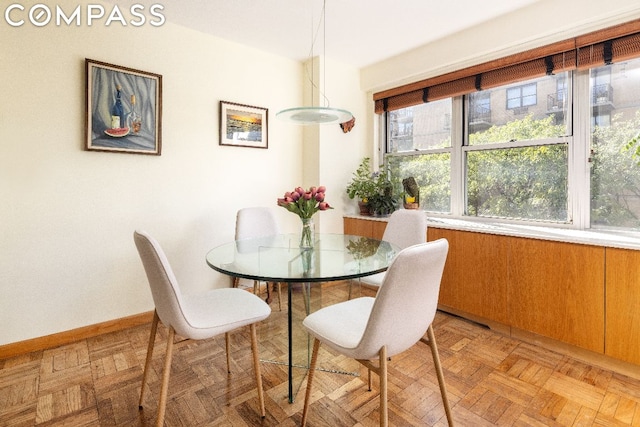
243 125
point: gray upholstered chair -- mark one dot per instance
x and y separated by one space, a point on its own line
256 222
398 317
199 316
406 227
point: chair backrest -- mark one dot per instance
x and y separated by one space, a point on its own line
406 303
255 222
164 286
406 227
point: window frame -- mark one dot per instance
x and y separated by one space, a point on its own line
522 96
450 121
577 89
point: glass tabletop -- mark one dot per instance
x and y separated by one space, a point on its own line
278 258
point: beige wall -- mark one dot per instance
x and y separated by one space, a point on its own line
67 257
541 23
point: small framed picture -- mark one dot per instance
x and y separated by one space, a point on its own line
123 109
243 125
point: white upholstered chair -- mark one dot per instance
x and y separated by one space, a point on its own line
369 329
406 227
256 222
196 317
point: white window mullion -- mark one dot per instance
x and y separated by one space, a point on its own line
579 166
458 194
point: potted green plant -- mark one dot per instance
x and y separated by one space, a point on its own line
383 202
363 186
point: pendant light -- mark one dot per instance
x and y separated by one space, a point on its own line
316 115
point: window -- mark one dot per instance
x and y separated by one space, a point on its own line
518 183
615 168
601 90
479 111
517 166
549 134
423 127
423 150
522 96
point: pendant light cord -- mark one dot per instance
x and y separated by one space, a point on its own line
316 114
314 38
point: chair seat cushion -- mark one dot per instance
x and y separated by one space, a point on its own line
221 310
341 326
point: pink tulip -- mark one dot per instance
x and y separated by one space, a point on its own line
295 196
322 189
313 191
300 190
307 195
320 197
323 206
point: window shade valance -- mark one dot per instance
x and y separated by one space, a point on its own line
618 43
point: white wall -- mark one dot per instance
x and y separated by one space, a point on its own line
67 257
331 155
336 171
541 23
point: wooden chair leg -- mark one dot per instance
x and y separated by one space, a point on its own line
384 410
441 383
162 404
312 369
256 367
369 378
236 282
227 348
152 339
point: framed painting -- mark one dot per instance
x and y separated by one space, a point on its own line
123 109
243 125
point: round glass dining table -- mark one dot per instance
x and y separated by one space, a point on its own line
279 259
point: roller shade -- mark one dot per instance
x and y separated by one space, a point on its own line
618 43
617 50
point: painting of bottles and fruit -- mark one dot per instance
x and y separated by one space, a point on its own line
124 109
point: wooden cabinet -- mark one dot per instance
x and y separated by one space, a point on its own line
623 305
583 295
364 227
475 276
557 290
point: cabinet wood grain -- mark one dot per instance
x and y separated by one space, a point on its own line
623 305
557 290
475 277
582 295
358 227
364 227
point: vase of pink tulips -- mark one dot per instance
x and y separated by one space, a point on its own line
305 203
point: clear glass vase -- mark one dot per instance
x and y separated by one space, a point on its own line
307 236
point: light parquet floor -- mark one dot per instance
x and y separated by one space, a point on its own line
492 380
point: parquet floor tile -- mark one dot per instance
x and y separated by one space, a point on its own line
492 379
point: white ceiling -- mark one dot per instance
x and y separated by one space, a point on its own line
358 32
